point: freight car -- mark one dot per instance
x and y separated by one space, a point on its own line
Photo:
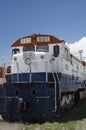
43 79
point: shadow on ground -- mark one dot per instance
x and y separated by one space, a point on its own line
78 112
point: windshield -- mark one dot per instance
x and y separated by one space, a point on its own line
39 48
42 48
28 48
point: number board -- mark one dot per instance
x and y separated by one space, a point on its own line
26 40
43 39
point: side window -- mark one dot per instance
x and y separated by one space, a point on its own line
67 56
15 51
56 50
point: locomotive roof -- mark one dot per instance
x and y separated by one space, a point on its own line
36 39
82 62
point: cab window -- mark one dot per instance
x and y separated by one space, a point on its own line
42 48
29 48
56 50
15 51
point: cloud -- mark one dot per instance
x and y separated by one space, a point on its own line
78 46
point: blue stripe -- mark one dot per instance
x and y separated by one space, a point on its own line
65 80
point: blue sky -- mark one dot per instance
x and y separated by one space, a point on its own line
65 19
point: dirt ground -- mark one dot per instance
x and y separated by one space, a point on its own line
11 126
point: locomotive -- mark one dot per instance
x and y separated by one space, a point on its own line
42 79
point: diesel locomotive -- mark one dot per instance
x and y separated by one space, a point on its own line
41 80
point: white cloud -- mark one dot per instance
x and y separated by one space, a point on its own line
77 46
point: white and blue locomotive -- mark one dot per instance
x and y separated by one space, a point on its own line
44 79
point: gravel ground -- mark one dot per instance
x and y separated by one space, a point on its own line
11 126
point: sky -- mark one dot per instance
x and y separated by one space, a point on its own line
65 19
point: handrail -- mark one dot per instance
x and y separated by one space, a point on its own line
29 67
46 72
55 82
17 73
59 84
55 92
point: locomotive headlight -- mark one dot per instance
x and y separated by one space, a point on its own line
42 56
15 58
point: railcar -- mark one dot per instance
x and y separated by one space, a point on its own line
43 79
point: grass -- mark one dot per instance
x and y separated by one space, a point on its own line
73 119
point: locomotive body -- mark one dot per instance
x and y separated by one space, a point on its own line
44 79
